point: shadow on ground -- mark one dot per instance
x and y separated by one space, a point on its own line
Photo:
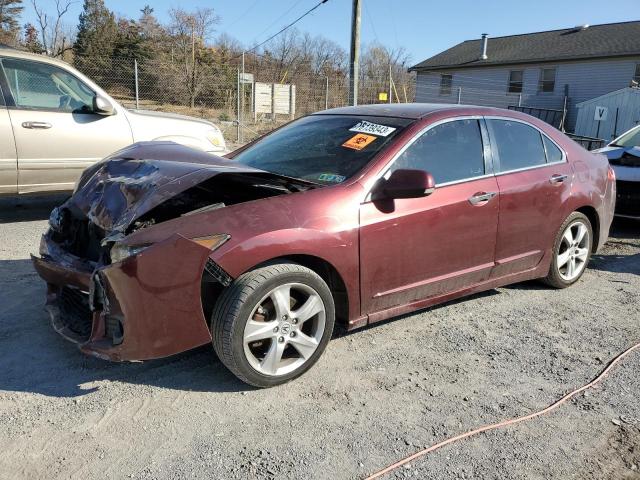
29 208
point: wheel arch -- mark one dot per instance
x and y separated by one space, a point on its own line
327 272
592 214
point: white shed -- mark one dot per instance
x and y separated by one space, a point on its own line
609 115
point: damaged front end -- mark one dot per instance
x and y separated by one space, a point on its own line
124 301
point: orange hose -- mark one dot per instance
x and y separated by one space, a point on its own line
505 423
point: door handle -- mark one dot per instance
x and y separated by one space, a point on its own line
556 179
481 198
41 125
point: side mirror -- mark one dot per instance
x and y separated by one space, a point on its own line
102 106
406 184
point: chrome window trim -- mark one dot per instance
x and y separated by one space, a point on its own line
488 149
485 151
532 167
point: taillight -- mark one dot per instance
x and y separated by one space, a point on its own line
611 174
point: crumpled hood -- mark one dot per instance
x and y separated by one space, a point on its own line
614 153
124 186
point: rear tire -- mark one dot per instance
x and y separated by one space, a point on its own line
572 250
272 324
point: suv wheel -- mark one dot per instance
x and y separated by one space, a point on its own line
273 323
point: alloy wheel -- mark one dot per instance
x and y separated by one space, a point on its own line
573 251
284 329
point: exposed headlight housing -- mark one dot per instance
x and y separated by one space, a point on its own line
121 252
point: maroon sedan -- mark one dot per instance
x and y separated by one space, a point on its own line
351 215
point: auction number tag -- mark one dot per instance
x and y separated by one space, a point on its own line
359 141
372 128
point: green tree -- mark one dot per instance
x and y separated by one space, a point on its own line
31 41
10 11
130 45
96 40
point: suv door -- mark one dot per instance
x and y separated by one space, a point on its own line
534 179
56 131
8 159
413 249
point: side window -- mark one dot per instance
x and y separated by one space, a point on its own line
40 86
451 151
515 81
554 154
547 83
518 145
446 81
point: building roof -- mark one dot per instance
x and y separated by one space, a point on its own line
631 91
596 41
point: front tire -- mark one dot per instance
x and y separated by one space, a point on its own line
273 323
571 251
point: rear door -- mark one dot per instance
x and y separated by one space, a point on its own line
413 249
534 179
56 133
8 158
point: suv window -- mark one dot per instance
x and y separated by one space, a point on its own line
451 151
518 145
40 86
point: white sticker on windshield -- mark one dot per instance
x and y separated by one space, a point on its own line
372 128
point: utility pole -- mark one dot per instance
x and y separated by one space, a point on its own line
354 59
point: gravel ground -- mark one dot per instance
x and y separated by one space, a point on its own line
377 394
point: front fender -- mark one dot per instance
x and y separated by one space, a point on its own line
339 249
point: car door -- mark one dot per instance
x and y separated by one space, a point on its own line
57 134
413 249
534 181
8 158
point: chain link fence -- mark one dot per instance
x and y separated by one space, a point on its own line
251 100
243 103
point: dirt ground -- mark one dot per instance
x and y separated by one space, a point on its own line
377 394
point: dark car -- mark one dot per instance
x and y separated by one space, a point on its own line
624 156
351 215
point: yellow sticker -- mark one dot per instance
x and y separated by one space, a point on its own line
359 141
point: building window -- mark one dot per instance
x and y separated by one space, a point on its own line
515 81
446 81
636 77
547 82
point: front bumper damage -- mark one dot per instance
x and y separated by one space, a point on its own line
147 306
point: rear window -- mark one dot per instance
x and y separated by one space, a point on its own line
518 145
326 149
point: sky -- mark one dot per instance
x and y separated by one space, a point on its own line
424 28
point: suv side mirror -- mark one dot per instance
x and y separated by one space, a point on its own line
102 106
405 183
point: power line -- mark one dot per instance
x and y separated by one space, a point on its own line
287 27
268 27
241 17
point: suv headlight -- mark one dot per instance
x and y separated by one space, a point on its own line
121 252
215 138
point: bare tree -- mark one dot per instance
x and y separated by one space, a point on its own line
54 39
188 33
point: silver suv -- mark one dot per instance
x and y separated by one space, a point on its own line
55 122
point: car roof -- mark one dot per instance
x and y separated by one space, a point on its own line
7 51
413 111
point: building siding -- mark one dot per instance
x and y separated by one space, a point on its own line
488 85
623 114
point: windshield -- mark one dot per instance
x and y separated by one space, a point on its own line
629 139
326 149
